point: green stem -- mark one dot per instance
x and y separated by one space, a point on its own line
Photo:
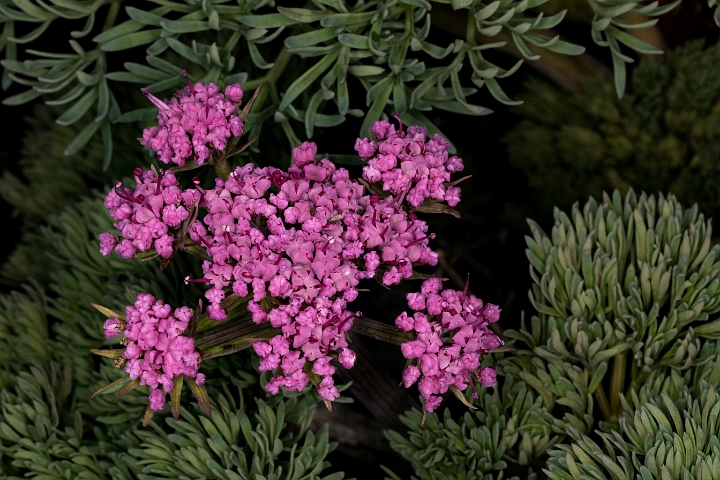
111 15
635 384
241 343
227 332
222 167
617 382
380 331
602 402
230 305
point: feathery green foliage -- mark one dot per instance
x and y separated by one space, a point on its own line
302 57
510 427
665 438
662 136
621 284
629 280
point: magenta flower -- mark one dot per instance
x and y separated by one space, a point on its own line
157 350
107 243
451 334
148 216
113 327
408 164
200 118
156 400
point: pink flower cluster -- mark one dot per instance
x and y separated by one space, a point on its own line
319 235
408 164
155 348
298 241
199 118
307 246
149 216
307 342
452 332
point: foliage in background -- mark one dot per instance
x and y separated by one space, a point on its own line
52 182
303 57
662 136
617 281
664 438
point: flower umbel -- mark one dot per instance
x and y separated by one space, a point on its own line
452 332
197 120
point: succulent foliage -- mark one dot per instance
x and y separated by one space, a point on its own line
663 439
624 290
623 281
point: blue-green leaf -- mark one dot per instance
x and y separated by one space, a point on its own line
132 40
306 79
74 113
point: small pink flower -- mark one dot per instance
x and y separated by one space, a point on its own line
404 322
365 148
113 327
327 390
410 375
234 93
107 243
164 246
491 313
262 349
125 249
216 312
432 402
304 154
412 349
431 285
347 358
487 377
156 400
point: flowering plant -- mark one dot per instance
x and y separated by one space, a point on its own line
283 254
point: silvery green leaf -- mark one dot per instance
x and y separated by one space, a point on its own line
82 138
310 38
127 27
633 42
306 79
20 98
354 41
131 40
74 113
378 104
339 19
365 70
302 15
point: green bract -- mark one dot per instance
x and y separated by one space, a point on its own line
662 439
301 56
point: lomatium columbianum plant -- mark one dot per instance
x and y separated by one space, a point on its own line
283 254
